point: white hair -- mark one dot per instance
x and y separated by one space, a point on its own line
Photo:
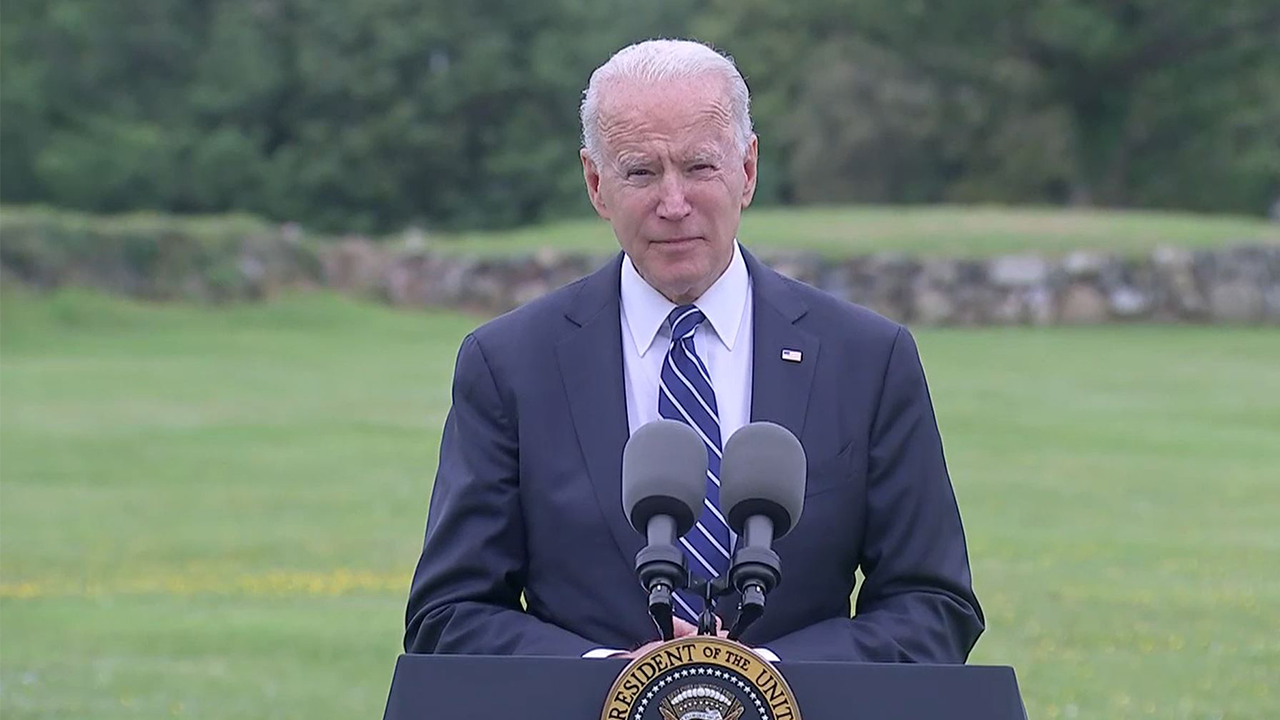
655 61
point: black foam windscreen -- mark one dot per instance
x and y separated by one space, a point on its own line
763 472
664 472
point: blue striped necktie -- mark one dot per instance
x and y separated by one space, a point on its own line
685 394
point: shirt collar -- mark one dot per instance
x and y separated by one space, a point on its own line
723 303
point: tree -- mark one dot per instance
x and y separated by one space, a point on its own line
1120 92
371 115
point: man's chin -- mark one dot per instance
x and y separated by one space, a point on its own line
681 288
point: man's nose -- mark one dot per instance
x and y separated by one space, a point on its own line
674 202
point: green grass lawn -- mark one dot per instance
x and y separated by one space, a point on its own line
936 230
214 513
930 230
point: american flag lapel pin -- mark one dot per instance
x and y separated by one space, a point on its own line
791 355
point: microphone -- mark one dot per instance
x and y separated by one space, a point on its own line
762 481
664 482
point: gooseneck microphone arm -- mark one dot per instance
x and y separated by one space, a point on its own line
662 569
755 572
664 470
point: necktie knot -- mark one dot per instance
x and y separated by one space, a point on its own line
684 320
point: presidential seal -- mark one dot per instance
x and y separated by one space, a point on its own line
700 678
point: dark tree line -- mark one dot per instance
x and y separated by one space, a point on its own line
372 114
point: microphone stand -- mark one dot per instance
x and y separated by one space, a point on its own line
662 571
756 570
710 590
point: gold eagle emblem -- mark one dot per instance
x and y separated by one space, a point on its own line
700 702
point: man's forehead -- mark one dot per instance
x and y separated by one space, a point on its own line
694 111
628 99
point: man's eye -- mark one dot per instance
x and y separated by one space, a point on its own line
639 172
702 167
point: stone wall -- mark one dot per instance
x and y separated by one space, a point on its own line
1239 285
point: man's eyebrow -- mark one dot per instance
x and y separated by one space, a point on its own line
632 158
703 154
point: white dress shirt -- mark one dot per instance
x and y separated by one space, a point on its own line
722 341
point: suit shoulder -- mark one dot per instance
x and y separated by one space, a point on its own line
846 319
530 323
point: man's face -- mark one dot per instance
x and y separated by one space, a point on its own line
672 182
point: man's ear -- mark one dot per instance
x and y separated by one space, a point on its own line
591 174
749 165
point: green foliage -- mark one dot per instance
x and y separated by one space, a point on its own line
355 116
1157 103
368 116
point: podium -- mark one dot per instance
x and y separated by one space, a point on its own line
427 687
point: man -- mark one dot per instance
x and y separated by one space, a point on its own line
527 549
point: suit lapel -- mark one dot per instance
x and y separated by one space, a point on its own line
779 388
591 367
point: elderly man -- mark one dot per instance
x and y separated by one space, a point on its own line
527 549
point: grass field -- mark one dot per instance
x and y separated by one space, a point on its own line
936 230
214 513
932 230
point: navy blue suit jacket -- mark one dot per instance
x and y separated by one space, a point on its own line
527 499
